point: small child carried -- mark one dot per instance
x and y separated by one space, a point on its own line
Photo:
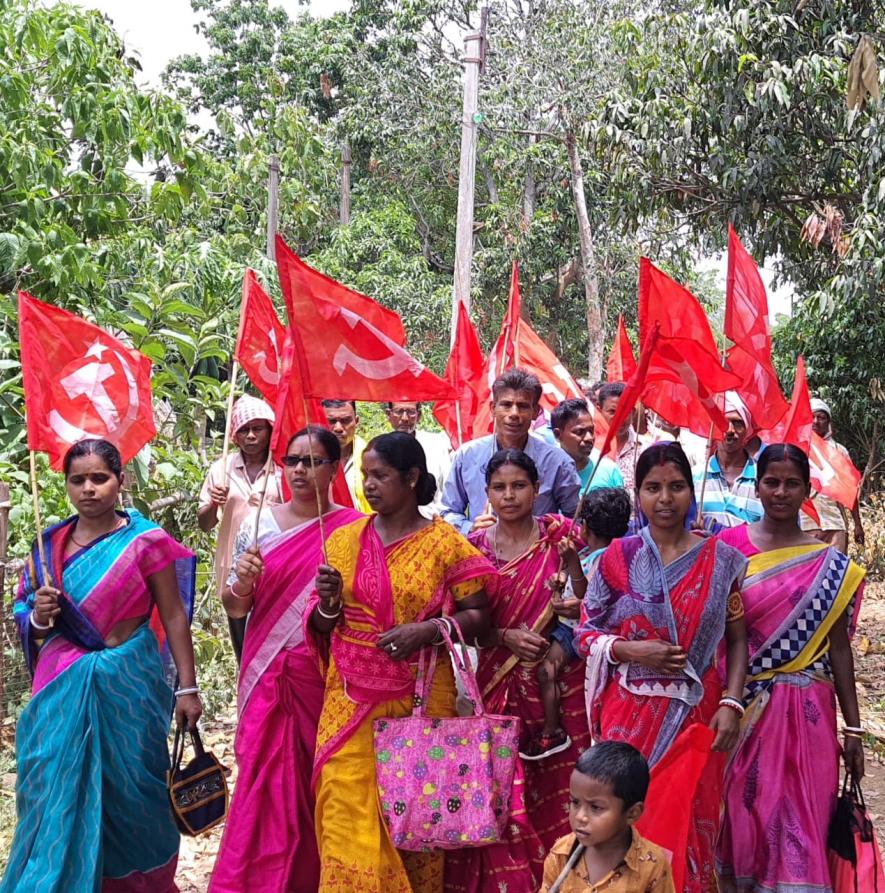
605 514
607 791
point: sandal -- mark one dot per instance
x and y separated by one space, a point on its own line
543 746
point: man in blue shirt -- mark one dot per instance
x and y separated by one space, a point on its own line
573 428
515 398
729 497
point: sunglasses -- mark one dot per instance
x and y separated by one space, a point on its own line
307 461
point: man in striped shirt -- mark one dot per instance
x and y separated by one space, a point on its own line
729 492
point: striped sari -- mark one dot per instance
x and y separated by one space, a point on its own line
538 817
265 848
93 809
413 579
634 596
782 781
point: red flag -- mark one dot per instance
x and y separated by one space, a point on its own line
80 382
261 339
520 345
621 362
746 324
293 412
832 472
795 426
464 372
685 375
633 389
303 287
341 354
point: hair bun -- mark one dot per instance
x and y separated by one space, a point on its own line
426 488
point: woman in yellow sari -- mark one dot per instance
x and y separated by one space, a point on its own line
386 578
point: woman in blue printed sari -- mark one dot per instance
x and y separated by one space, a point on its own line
93 811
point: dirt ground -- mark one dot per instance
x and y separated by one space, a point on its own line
198 855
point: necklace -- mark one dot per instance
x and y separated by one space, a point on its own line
529 540
77 542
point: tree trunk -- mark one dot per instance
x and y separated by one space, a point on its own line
595 336
529 190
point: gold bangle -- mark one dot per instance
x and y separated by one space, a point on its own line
857 735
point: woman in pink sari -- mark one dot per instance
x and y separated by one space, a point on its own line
269 844
801 599
526 552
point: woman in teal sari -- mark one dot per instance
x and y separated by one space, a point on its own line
93 811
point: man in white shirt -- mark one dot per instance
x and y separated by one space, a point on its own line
232 489
833 528
405 417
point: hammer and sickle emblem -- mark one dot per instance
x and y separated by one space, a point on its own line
378 370
267 374
88 380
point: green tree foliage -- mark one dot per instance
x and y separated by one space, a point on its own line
737 112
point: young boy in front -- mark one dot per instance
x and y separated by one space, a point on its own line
607 790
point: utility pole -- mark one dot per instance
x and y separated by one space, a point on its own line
344 207
273 203
474 62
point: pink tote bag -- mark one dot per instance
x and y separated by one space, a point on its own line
444 782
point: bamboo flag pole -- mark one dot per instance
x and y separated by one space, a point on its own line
458 420
707 457
225 449
316 486
38 524
638 410
234 371
556 886
707 454
268 474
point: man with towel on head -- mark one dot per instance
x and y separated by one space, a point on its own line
229 493
833 528
730 490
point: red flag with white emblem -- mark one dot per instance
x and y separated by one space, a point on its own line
303 286
80 382
262 337
343 354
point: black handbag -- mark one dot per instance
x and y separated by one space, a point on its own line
198 791
852 848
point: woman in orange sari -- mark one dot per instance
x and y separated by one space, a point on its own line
386 578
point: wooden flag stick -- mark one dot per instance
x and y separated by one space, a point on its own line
638 410
556 886
38 524
234 369
316 486
458 421
268 474
707 458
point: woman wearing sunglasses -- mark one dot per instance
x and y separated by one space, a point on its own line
280 689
